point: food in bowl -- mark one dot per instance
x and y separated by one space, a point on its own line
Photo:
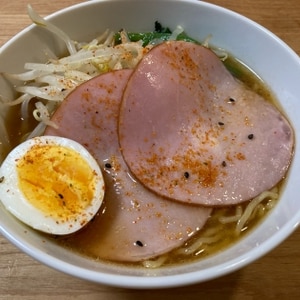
175 133
109 169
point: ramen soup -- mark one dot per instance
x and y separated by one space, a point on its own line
223 228
192 149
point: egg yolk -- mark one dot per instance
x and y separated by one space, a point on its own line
56 180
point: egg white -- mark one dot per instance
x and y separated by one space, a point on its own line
16 203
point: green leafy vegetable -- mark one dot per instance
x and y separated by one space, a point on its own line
159 34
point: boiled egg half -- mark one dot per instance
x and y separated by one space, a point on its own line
52 184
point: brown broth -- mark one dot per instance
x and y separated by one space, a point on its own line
16 126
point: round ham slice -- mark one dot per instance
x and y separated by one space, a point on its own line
190 131
136 224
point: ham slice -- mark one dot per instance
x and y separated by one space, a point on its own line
136 223
190 131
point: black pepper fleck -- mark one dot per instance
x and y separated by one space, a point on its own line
186 175
1 179
251 136
221 123
61 196
231 100
108 165
224 163
139 243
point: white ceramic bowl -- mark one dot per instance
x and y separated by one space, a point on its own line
271 59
